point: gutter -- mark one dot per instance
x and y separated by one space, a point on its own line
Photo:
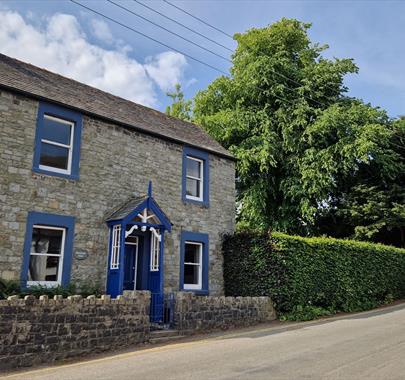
114 121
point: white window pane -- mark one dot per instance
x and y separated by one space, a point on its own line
191 274
43 268
46 240
193 168
54 156
193 187
192 254
57 131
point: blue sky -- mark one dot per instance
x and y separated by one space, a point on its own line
65 38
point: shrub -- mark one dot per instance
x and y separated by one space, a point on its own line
9 288
312 276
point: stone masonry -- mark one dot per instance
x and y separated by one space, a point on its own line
115 163
195 314
35 331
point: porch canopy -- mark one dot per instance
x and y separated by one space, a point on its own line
138 214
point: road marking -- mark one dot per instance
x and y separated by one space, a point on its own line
172 346
112 357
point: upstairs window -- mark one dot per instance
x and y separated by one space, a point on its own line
195 177
57 142
56 145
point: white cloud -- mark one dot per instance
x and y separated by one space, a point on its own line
59 44
101 30
166 68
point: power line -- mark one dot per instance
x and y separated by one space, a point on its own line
148 37
228 35
168 30
174 49
184 26
224 58
199 19
220 56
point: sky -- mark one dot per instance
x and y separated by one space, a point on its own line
70 40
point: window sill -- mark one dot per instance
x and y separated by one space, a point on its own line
203 203
197 292
50 173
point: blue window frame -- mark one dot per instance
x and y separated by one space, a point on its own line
194 261
195 177
48 249
57 141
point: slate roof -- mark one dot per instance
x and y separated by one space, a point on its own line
43 84
127 207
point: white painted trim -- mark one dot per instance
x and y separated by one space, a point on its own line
200 179
136 258
154 251
115 247
199 264
69 147
127 233
61 255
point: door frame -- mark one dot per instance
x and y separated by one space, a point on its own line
136 257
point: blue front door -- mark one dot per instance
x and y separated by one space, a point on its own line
130 266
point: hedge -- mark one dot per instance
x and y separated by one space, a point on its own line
330 274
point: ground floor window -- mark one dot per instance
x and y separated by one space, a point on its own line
46 256
192 265
47 250
194 262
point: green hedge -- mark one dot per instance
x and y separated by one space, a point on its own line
323 275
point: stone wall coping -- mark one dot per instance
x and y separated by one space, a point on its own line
191 296
129 297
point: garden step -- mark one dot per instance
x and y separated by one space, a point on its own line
163 336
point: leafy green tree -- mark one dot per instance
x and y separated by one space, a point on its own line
305 150
373 208
180 107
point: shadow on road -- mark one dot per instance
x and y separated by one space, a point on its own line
292 326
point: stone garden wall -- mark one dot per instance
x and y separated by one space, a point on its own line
35 331
195 314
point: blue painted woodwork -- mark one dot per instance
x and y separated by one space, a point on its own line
66 114
156 281
199 238
147 279
129 267
113 277
52 220
192 152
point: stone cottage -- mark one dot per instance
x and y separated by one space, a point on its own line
95 188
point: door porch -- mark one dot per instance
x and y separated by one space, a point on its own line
136 249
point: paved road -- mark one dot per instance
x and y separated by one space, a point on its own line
365 346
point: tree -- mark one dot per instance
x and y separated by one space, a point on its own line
180 107
306 153
374 207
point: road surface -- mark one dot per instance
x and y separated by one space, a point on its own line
364 346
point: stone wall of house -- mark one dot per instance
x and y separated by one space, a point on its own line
35 331
195 314
115 163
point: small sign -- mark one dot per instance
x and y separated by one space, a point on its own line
81 255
